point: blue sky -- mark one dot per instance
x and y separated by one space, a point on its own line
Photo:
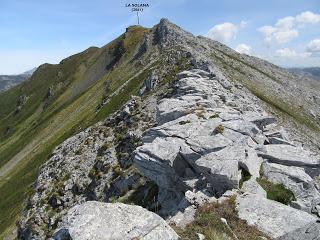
37 31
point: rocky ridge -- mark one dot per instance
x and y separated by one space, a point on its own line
204 139
209 137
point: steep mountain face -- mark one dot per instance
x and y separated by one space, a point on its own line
311 72
205 128
9 81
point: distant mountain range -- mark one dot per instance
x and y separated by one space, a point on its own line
312 72
9 81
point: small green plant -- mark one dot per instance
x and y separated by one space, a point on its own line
123 155
113 199
120 137
216 115
78 152
245 176
105 147
276 192
219 129
117 171
66 177
93 173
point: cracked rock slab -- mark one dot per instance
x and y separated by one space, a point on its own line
288 155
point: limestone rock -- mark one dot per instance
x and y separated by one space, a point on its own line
252 186
223 173
198 198
184 217
251 163
277 220
289 155
103 221
277 140
296 180
150 83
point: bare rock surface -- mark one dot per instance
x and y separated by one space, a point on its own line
112 221
277 220
289 155
252 186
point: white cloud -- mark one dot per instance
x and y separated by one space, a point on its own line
225 32
286 28
243 48
286 52
289 53
278 35
285 36
286 23
314 46
308 17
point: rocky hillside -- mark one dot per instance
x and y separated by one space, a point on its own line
9 81
200 144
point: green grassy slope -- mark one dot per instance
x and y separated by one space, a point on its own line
78 85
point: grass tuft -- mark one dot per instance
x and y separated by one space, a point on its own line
219 129
208 222
276 192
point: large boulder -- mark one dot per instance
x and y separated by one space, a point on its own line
161 162
113 221
221 169
277 220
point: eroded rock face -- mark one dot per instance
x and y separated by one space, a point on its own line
113 221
